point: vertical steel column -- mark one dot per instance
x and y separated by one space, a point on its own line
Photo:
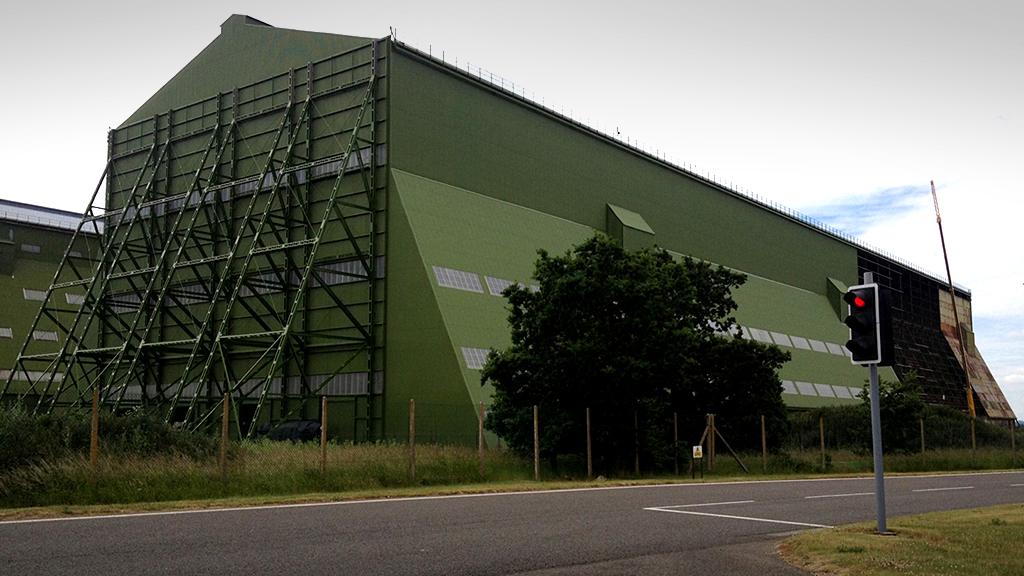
876 438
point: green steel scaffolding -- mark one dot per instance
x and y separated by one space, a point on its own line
241 254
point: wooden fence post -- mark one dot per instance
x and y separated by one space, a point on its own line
675 441
224 423
412 439
480 438
536 443
974 440
714 442
764 447
323 434
94 431
710 456
590 456
921 422
1013 441
821 435
636 442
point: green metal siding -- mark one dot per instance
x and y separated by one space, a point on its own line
32 271
245 53
420 364
457 131
477 234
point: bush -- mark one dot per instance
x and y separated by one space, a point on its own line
27 438
849 428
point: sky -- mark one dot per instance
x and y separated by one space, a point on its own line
842 110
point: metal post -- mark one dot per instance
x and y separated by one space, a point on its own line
536 443
590 457
323 434
94 430
876 448
412 439
956 317
764 447
675 441
225 411
480 438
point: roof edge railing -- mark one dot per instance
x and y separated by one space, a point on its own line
68 223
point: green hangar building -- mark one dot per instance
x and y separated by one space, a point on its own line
299 214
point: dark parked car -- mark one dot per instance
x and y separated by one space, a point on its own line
293 430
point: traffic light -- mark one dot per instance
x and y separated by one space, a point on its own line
870 325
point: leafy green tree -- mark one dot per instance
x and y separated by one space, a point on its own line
629 335
900 407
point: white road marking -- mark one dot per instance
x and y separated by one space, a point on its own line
709 504
690 485
839 495
748 518
943 489
1016 485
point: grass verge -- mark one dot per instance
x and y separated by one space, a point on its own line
495 487
57 511
275 472
979 542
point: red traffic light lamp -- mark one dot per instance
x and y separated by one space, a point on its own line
870 325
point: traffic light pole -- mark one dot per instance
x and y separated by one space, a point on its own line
876 437
876 449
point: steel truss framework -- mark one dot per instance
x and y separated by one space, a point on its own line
241 254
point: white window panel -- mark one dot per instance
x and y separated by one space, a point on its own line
496 285
186 294
6 333
31 248
801 343
834 348
133 392
451 278
348 384
37 295
806 388
44 335
31 375
75 299
342 272
788 387
781 339
126 302
475 357
825 390
818 346
761 335
842 392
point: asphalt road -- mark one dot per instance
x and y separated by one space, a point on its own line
679 529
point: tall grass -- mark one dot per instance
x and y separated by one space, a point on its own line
255 469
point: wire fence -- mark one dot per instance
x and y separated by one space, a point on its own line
447 444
